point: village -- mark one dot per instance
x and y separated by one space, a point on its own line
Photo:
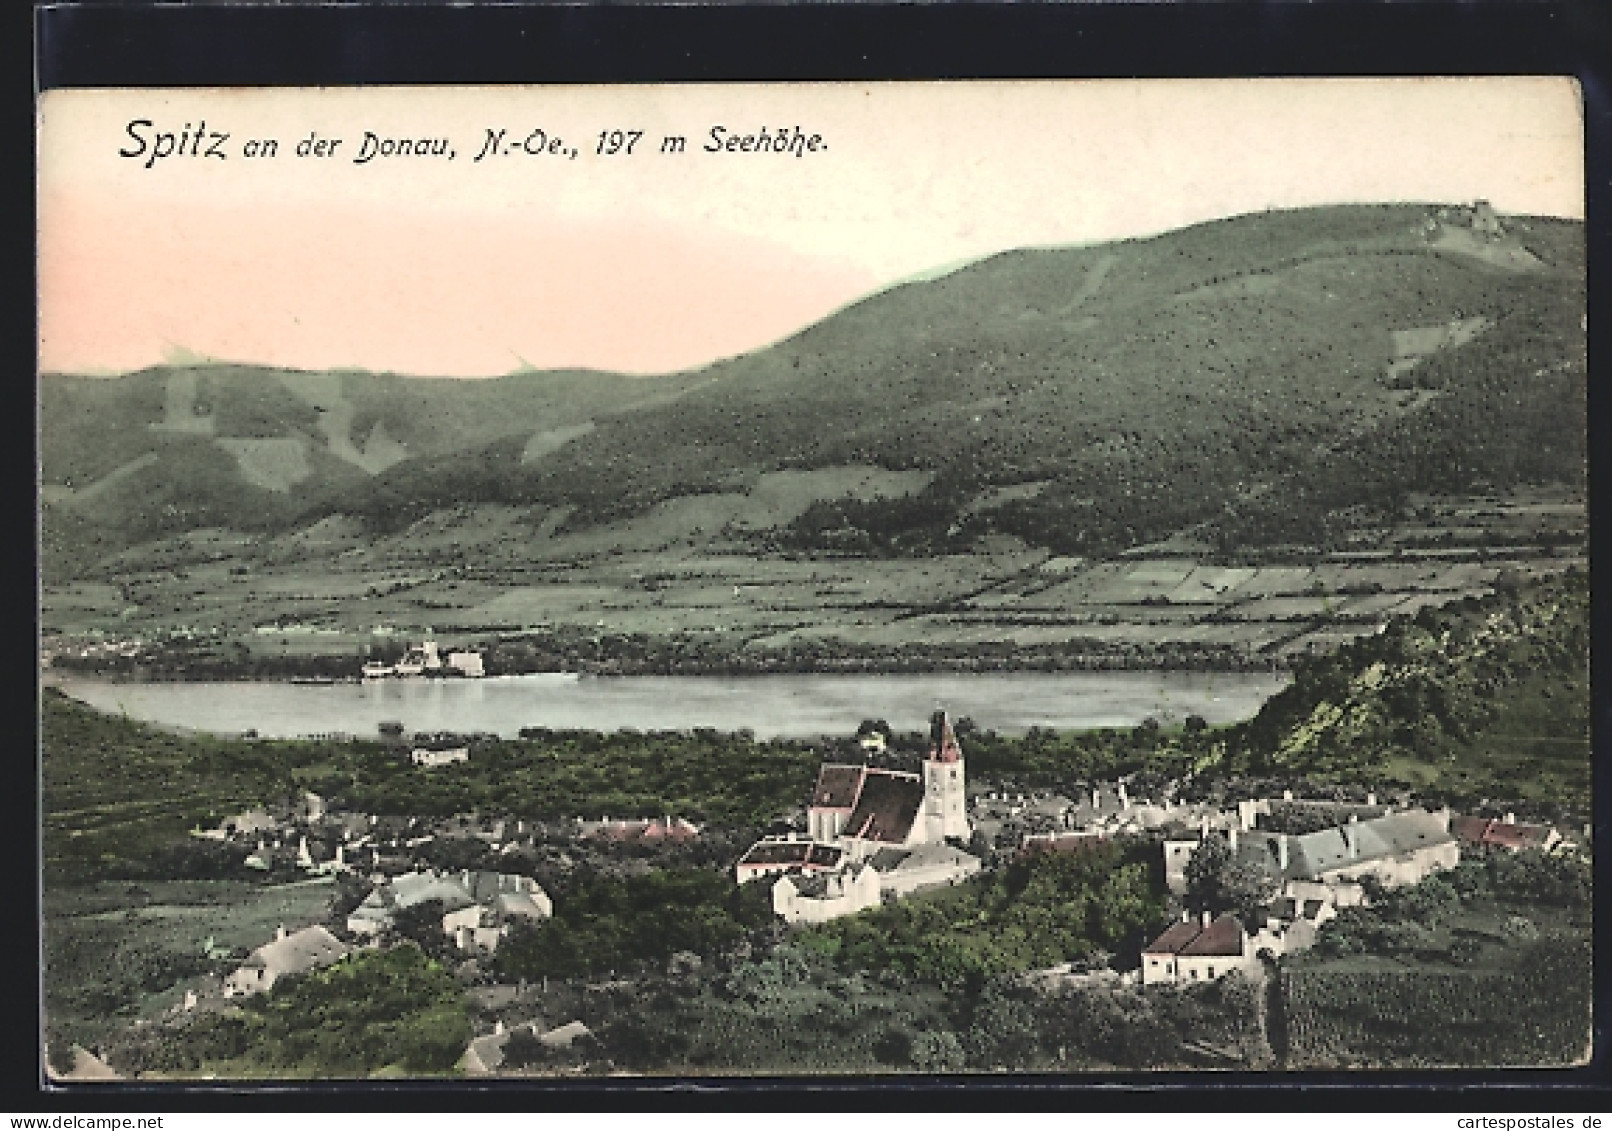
868 835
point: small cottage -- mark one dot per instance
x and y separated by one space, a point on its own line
1197 950
311 948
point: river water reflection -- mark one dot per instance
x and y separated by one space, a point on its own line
768 705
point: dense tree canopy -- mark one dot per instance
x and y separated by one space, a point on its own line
604 923
374 1010
1043 909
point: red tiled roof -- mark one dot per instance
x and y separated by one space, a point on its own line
677 831
1516 836
1175 936
887 806
1502 834
1223 937
837 786
654 829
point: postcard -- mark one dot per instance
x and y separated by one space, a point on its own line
833 579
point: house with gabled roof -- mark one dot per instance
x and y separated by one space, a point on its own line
478 907
643 830
501 900
484 1056
1400 848
87 1068
380 907
244 826
422 756
1395 849
1486 834
1291 924
311 948
1197 950
886 814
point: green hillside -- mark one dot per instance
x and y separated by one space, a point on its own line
1485 700
1233 375
118 795
1252 381
247 448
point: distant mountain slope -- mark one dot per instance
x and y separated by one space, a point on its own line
1484 699
1248 379
172 449
1150 384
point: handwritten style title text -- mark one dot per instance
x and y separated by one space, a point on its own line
150 144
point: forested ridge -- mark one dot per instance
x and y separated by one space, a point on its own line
1239 379
1484 700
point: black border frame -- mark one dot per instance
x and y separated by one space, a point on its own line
352 43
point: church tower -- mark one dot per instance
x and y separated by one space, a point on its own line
945 805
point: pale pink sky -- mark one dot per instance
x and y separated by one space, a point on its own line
652 263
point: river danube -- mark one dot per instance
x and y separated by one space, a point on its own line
769 705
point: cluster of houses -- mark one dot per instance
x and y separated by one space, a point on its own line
303 834
477 911
307 835
1318 872
874 834
478 908
1052 821
87 648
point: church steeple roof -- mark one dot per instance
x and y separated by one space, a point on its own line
942 741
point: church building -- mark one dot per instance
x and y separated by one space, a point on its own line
872 833
866 808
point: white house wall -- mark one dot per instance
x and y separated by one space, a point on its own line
1396 871
859 895
1208 968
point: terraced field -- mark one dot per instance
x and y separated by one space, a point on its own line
471 574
